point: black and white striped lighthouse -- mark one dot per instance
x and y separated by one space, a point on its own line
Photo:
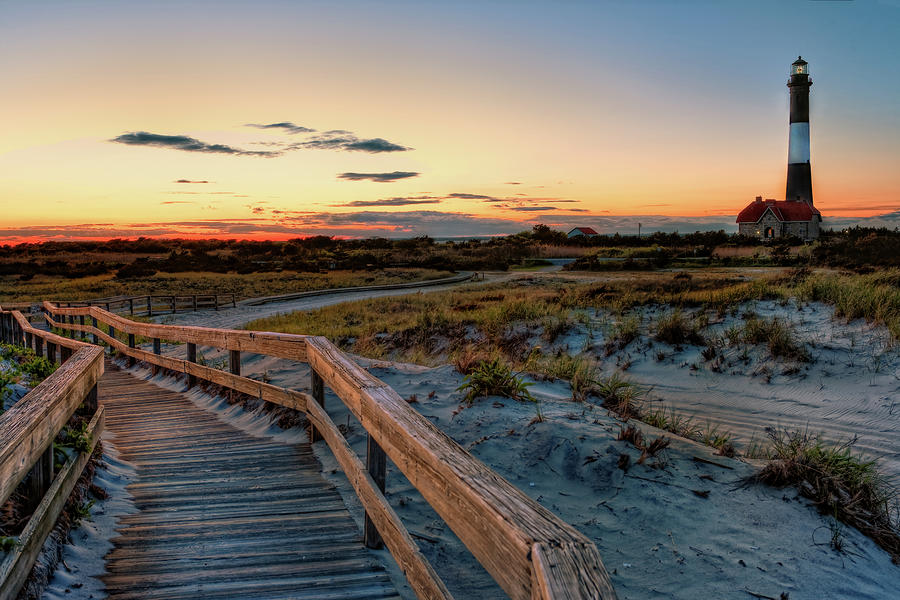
799 175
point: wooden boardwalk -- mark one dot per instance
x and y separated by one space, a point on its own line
223 514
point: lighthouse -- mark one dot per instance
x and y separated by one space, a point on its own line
795 216
799 175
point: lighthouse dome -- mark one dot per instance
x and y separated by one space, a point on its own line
799 67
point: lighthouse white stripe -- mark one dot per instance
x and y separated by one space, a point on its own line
798 151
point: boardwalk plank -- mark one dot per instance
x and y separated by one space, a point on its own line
223 514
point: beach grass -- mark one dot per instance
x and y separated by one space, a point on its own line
840 482
250 285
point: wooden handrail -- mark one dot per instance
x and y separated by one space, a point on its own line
527 549
27 431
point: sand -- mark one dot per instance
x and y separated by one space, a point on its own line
657 536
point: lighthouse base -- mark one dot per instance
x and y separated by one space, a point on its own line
799 183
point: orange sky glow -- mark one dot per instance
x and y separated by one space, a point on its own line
275 120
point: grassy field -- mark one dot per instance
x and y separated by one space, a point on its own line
43 287
499 319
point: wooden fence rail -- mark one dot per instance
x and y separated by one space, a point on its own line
529 551
27 431
149 305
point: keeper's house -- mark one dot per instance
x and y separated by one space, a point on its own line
769 219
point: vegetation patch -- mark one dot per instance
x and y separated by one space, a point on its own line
675 328
495 378
841 483
778 336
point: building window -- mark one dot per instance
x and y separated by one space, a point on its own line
770 232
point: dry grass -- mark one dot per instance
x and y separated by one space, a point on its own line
250 285
839 482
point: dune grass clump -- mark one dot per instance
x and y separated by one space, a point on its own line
778 336
839 482
620 395
874 297
494 378
675 328
625 331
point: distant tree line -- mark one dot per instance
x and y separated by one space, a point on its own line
857 248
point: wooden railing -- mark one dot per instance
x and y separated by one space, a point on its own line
150 305
27 431
529 551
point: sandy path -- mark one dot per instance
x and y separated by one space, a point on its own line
850 389
235 318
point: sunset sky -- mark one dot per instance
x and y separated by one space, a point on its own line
282 119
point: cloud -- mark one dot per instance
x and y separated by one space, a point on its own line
513 183
187 144
344 140
177 202
474 197
286 126
397 201
533 208
379 177
190 181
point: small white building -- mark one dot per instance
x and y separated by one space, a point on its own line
582 232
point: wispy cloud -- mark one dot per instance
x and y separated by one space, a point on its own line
379 177
344 140
190 181
177 202
397 201
474 197
186 144
285 126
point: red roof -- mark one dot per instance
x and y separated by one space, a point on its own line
782 209
586 230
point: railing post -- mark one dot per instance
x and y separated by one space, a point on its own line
157 350
65 353
192 357
112 334
149 306
131 306
233 303
94 324
90 401
39 345
234 362
3 322
174 310
72 322
194 299
39 478
81 322
317 386
29 340
51 352
376 464
131 359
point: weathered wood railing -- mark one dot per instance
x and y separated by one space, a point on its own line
529 551
27 431
150 305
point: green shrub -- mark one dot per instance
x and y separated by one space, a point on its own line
39 368
494 378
